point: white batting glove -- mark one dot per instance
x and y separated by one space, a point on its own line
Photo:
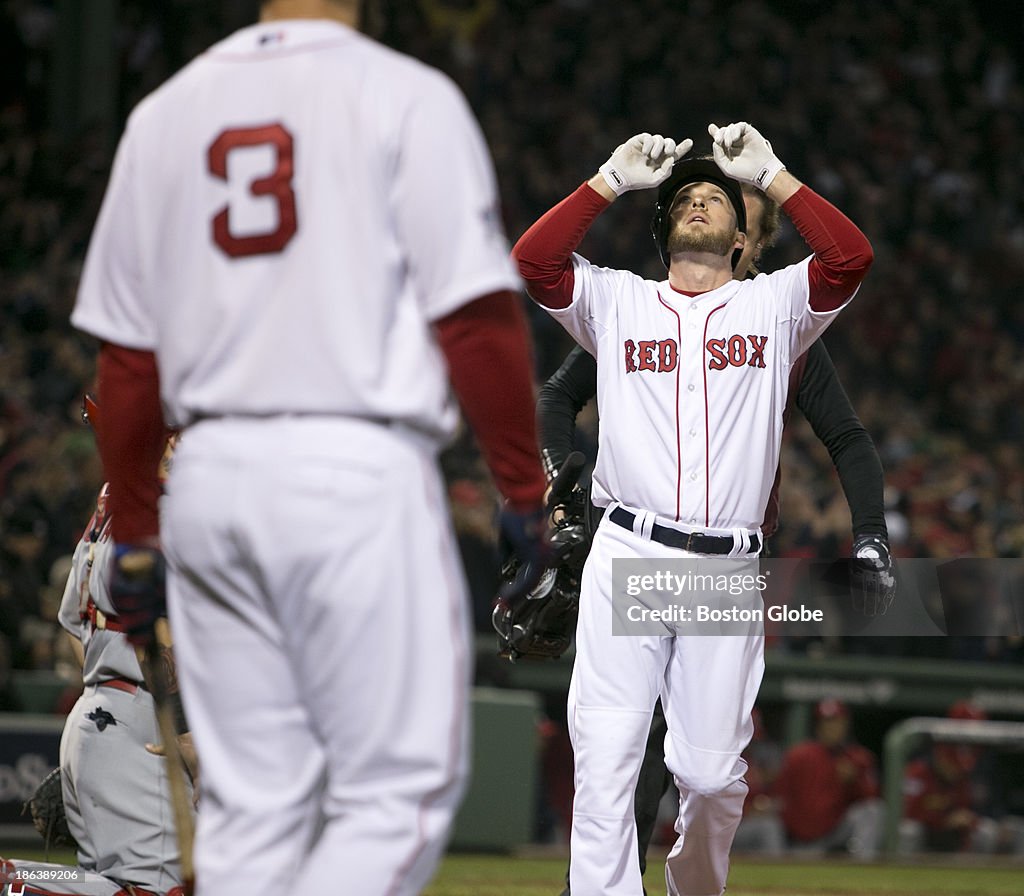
742 153
643 161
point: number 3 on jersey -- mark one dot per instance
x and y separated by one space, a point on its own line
275 186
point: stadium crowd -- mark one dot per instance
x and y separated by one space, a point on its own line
908 118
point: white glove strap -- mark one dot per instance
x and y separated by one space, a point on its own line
764 177
614 178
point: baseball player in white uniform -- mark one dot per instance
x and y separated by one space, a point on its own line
300 247
116 797
692 379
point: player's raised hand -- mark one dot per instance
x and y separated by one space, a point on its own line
742 153
643 161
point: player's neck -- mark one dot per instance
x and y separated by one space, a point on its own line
698 272
338 10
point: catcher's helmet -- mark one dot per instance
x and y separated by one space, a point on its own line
688 171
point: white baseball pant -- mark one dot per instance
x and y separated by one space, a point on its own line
321 625
707 683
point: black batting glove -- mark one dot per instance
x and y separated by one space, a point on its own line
872 575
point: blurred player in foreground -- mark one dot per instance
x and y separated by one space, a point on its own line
295 286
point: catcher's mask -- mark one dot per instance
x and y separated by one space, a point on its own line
688 171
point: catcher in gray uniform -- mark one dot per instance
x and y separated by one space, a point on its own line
115 792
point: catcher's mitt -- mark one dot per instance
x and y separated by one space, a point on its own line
46 806
542 624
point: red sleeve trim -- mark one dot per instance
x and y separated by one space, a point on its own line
842 253
544 252
487 346
131 436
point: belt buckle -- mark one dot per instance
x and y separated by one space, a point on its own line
689 542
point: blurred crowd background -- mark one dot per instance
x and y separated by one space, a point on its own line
907 115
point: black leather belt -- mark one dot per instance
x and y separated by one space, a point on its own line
694 542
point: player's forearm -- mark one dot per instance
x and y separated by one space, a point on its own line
556 428
486 344
600 186
827 407
77 650
174 689
544 253
783 186
169 672
561 399
863 481
842 253
131 436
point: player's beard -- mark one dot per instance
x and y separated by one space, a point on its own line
700 239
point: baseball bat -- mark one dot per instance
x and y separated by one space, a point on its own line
157 674
566 478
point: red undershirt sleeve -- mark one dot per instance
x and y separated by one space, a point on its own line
486 344
544 252
842 253
131 435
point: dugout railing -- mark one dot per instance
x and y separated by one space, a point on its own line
907 685
905 738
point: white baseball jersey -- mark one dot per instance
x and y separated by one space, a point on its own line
691 390
265 203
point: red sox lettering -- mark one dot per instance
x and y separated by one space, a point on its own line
733 351
659 356
662 355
